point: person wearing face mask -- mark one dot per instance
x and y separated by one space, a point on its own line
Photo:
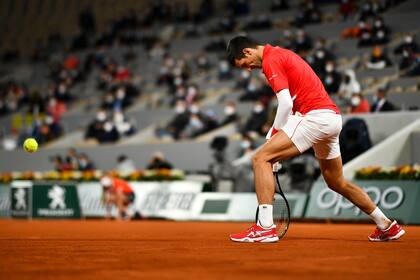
408 44
230 113
257 119
180 121
380 32
95 128
378 60
302 43
247 145
349 85
359 104
331 78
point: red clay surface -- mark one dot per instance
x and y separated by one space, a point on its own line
198 250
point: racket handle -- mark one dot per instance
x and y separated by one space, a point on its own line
276 167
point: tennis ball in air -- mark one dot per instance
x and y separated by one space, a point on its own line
30 145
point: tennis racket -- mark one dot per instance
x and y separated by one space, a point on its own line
281 209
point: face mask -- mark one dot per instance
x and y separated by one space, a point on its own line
192 90
224 66
194 109
329 68
101 116
355 101
245 74
328 80
245 144
108 127
408 39
378 23
118 118
195 122
320 54
375 98
258 109
179 109
229 110
120 94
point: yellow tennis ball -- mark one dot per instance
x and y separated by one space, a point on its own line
30 145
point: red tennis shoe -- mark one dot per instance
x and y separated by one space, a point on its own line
256 233
393 232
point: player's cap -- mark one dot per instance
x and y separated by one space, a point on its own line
106 181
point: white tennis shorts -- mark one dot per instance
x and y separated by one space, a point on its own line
319 129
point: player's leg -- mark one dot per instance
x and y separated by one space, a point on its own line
332 171
279 147
108 200
121 203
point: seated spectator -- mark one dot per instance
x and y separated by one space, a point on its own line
381 104
302 43
243 80
408 49
95 128
256 121
357 31
378 60
230 113
225 70
349 85
347 8
216 45
56 109
408 44
354 139
125 165
279 5
359 104
318 59
331 79
175 127
380 32
194 127
365 35
248 145
85 163
202 62
414 68
123 125
158 161
308 13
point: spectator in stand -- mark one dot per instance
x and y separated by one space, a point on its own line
359 104
308 13
302 43
347 8
381 104
178 123
408 49
379 59
95 128
72 158
125 165
279 5
407 44
380 32
56 108
194 127
318 59
122 124
256 121
364 33
247 145
230 113
225 70
331 79
349 85
85 163
202 62
158 161
414 68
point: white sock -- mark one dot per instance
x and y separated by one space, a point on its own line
380 219
265 215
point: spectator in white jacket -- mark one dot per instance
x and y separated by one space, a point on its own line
349 85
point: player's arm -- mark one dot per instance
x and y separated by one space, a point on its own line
284 109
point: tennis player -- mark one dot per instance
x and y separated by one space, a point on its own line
306 117
119 193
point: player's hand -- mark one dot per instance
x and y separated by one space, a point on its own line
271 133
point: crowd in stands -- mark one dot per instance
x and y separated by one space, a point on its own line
120 86
72 161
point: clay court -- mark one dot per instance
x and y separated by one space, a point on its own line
198 250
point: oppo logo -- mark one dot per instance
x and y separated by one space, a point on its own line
389 198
